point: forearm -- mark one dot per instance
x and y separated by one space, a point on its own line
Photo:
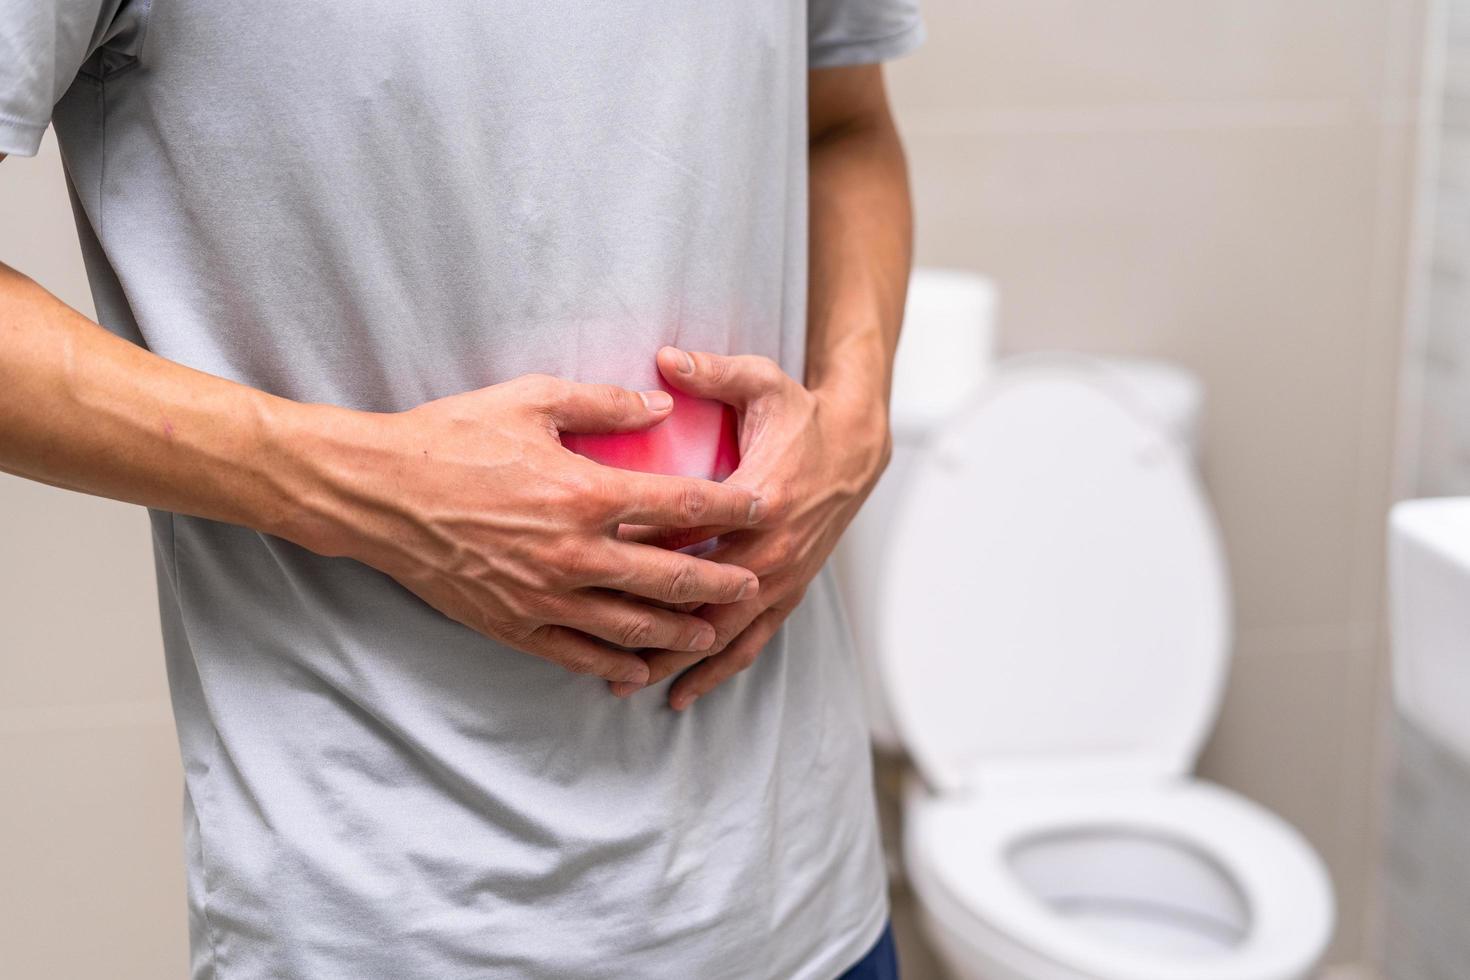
470 501
88 411
861 235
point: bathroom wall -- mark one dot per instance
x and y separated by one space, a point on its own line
1426 870
1226 183
89 769
1223 182
1437 461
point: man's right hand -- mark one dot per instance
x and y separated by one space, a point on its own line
472 503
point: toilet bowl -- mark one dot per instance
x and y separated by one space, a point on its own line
1053 634
1180 881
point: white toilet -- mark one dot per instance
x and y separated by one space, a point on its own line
1053 630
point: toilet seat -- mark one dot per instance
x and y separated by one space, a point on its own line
957 852
1054 592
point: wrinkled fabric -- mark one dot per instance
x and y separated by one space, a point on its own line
377 204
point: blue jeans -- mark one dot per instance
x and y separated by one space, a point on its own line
879 963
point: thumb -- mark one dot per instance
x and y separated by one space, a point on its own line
575 407
736 380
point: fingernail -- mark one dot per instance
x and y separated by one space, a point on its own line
686 363
748 589
703 640
681 702
657 401
757 509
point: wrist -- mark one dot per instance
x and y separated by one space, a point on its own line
323 460
858 416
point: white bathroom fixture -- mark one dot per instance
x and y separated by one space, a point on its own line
946 353
1429 579
1164 394
1053 633
945 349
944 356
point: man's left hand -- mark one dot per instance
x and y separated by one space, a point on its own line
814 455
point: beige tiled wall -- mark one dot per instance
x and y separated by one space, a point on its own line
1440 352
1226 183
90 784
1426 876
1223 182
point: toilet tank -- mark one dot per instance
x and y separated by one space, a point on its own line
944 357
944 352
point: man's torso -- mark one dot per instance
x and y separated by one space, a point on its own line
380 204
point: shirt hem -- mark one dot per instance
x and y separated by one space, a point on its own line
834 965
19 137
835 54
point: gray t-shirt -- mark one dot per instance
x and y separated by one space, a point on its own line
376 204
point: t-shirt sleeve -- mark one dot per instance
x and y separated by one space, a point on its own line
43 44
858 32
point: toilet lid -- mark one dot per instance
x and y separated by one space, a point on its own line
1055 597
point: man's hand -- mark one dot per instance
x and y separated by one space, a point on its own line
815 457
815 450
472 503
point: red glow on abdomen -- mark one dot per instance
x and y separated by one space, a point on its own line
697 439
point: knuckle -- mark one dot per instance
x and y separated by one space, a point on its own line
514 631
683 583
581 494
572 564
535 606
614 401
578 662
637 631
694 503
720 368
